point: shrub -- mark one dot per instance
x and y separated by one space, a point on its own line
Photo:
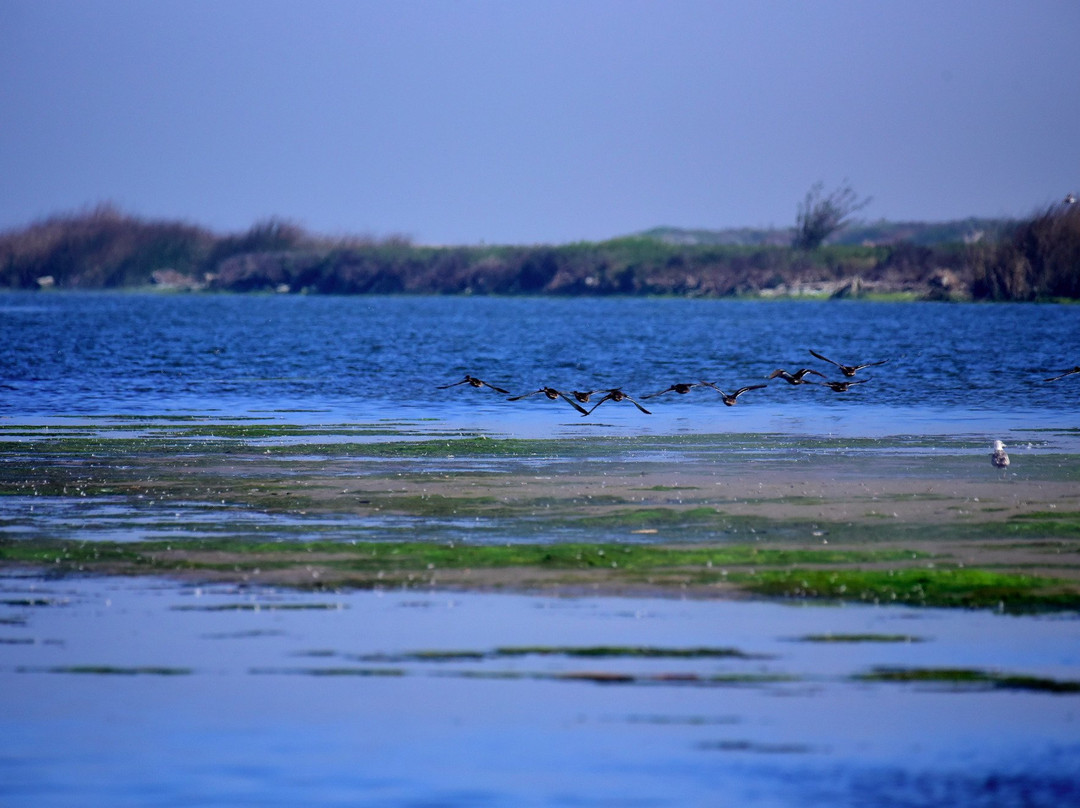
1040 259
818 218
99 248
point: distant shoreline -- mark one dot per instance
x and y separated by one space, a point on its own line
104 249
809 296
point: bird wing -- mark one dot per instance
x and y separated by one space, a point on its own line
574 404
638 405
608 397
455 384
524 395
1063 374
825 358
654 395
493 387
742 390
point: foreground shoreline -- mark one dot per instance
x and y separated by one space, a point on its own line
711 516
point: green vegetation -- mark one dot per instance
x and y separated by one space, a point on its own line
964 678
595 677
404 556
104 249
628 652
111 670
967 588
1045 523
1038 260
808 573
337 671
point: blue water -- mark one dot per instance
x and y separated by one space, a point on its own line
326 359
330 704
274 706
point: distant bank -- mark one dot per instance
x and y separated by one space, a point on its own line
973 259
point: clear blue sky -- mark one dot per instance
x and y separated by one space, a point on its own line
467 121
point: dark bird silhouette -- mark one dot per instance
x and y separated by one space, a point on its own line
473 382
998 458
554 395
1063 374
617 395
841 387
798 377
729 398
847 370
583 396
681 388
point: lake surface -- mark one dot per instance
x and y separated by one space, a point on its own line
159 693
146 693
315 359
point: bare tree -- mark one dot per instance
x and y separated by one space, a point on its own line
819 217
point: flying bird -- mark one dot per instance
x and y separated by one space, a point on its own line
617 395
998 458
583 396
798 377
729 398
847 370
1063 374
681 388
473 382
841 387
553 395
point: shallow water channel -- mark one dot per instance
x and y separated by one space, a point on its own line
149 692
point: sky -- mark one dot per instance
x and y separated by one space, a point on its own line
534 121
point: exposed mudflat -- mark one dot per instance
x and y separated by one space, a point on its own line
278 506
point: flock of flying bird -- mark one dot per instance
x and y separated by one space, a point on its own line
576 398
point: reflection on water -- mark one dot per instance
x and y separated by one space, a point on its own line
136 692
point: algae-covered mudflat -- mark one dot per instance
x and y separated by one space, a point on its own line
380 505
